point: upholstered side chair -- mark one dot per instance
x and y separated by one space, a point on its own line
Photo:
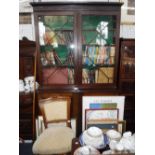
57 136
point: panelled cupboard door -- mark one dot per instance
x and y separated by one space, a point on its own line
78 45
127 66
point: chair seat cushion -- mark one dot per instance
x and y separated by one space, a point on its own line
54 140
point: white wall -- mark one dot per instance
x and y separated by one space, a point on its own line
127 31
26 30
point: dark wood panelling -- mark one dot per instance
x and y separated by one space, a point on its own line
26 68
127 80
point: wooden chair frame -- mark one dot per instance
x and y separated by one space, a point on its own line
56 98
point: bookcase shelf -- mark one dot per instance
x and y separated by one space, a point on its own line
96 31
63 30
97 66
94 44
59 66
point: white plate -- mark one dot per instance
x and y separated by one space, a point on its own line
105 142
86 150
113 134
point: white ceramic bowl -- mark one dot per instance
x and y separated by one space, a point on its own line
94 131
127 134
128 143
93 137
86 150
113 144
113 135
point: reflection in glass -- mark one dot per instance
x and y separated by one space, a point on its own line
98 49
57 49
102 30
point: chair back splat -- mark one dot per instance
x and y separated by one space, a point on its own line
55 110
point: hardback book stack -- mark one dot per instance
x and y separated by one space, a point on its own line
99 55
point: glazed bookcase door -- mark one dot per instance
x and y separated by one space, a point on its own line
128 59
56 39
98 49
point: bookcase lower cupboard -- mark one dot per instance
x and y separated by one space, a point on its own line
77 50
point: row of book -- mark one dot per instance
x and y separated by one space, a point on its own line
93 55
100 75
52 58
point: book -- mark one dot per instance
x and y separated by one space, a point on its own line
112 51
85 76
71 76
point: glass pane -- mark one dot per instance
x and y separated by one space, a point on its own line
57 49
98 49
128 61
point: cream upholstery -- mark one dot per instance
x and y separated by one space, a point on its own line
44 101
54 140
55 111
